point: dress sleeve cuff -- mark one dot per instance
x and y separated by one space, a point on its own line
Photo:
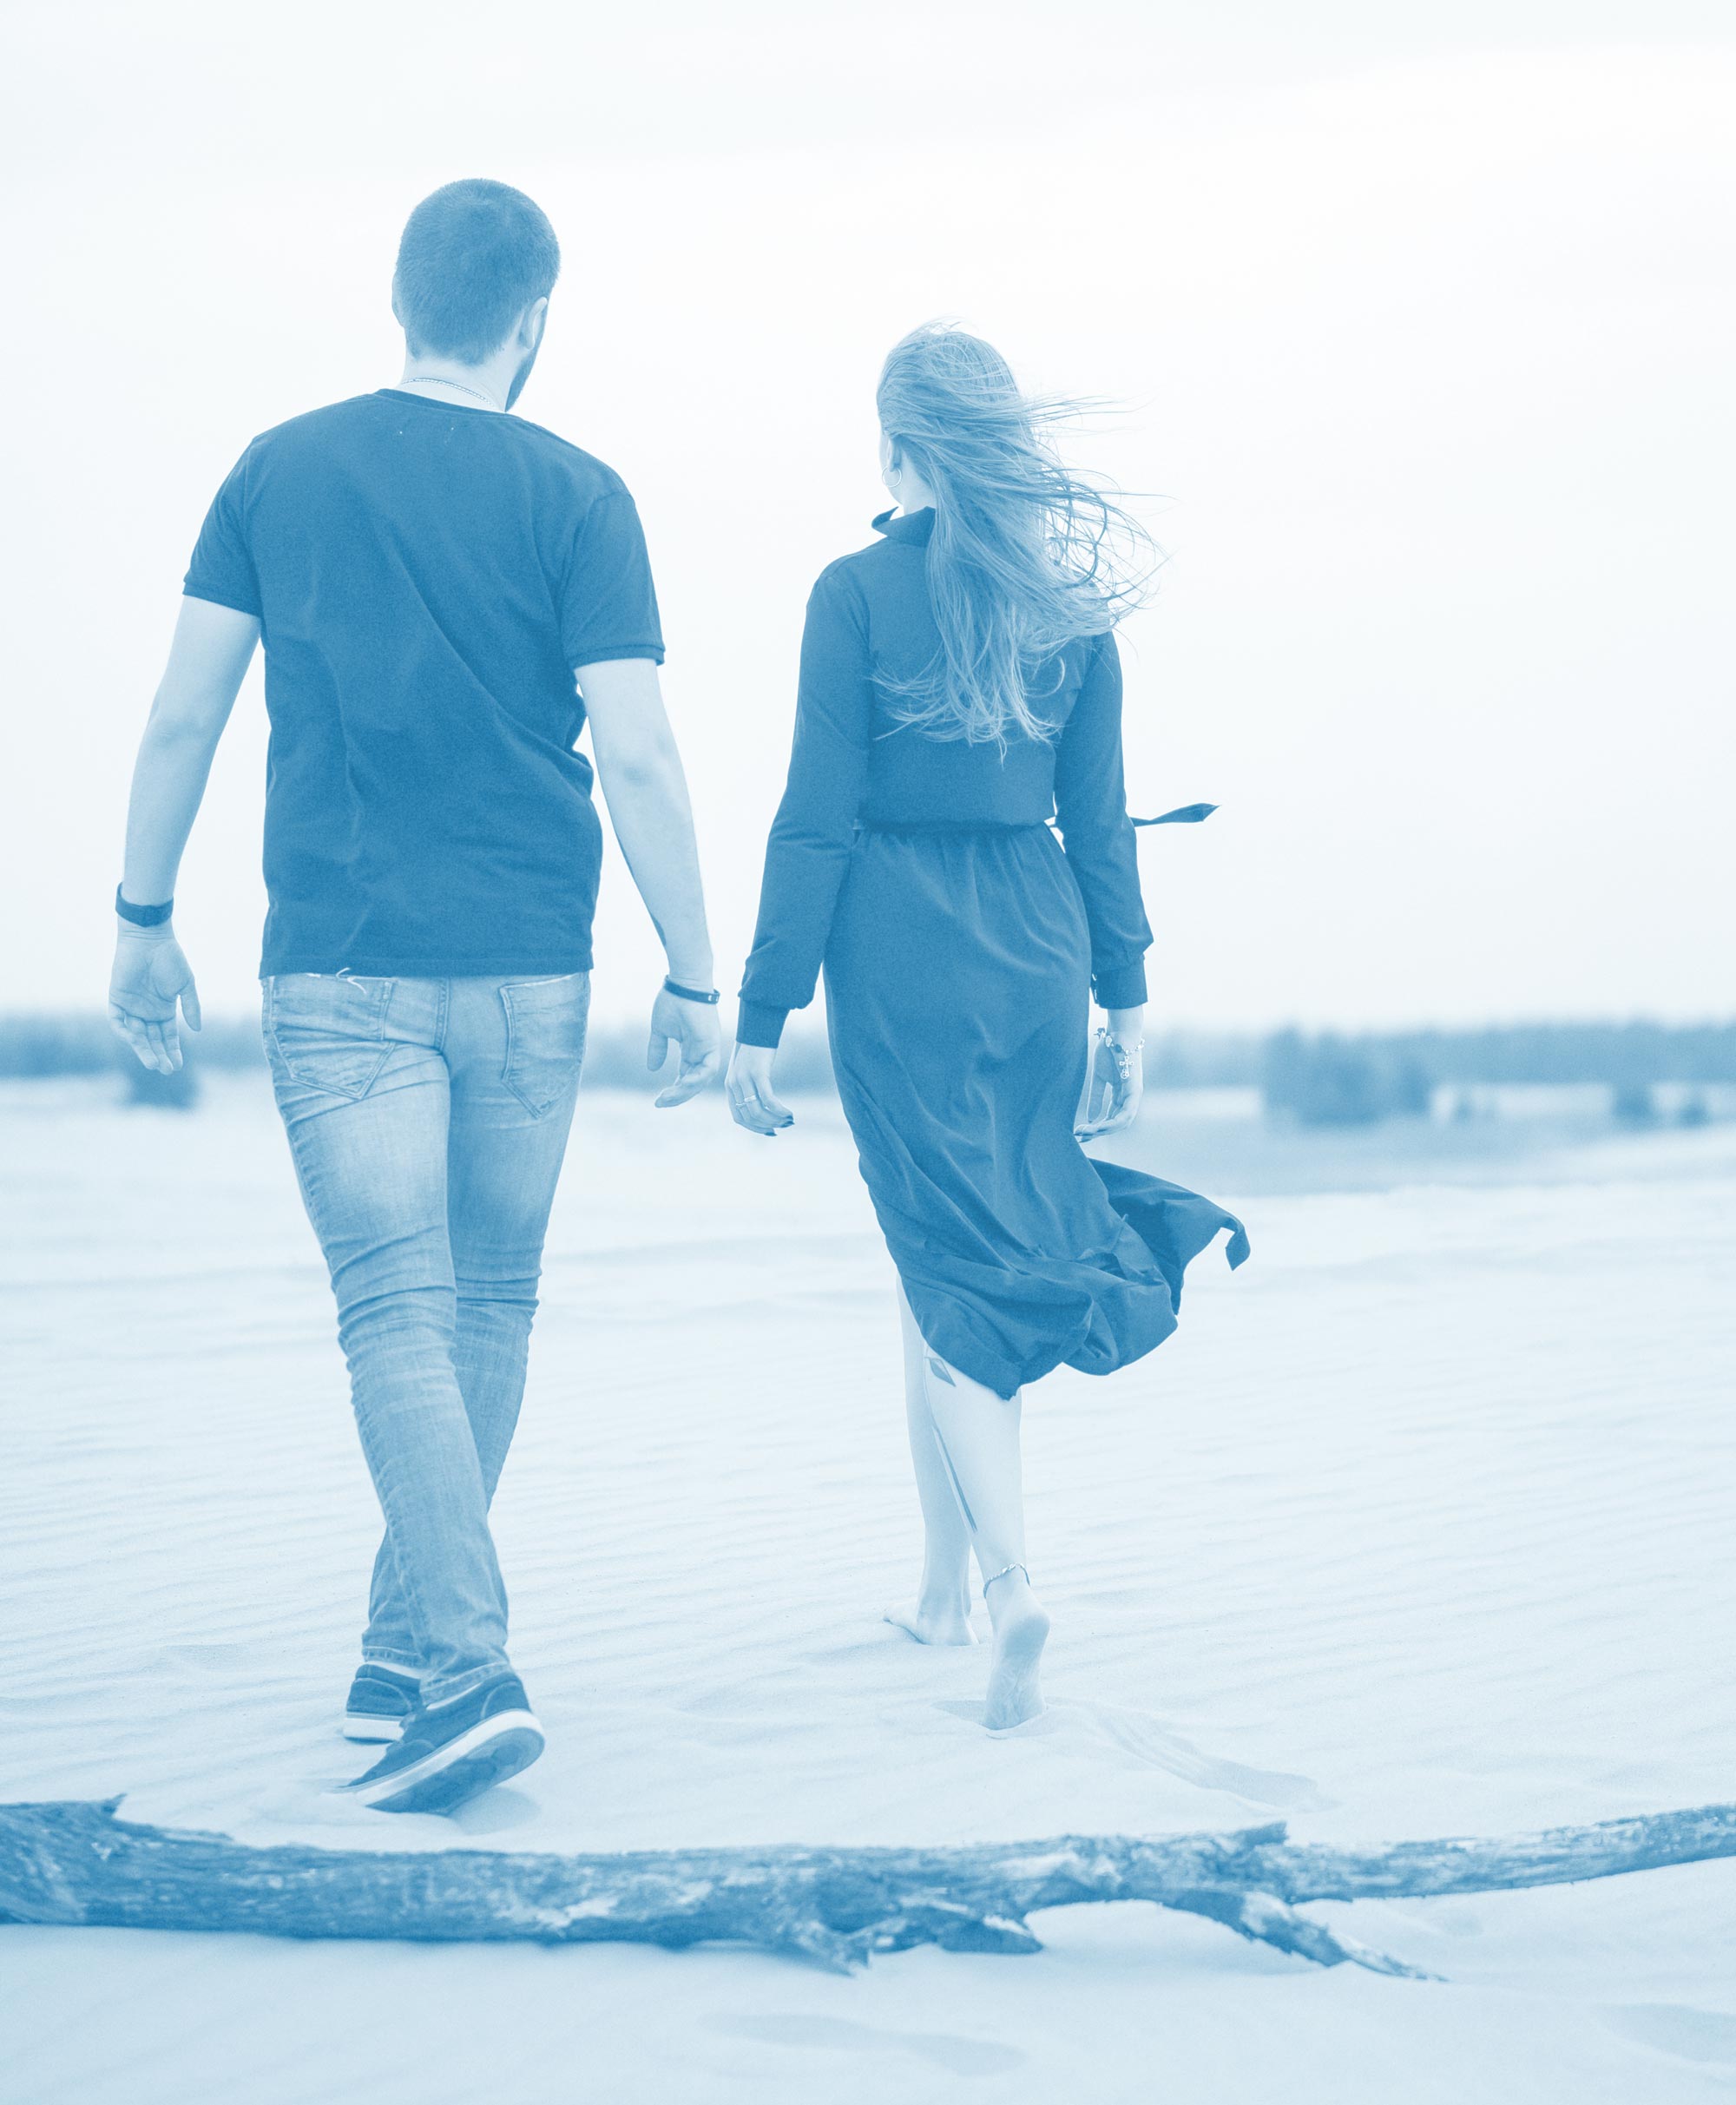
1123 988
758 1024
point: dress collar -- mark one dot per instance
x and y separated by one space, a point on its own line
913 526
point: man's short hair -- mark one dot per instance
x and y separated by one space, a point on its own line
474 256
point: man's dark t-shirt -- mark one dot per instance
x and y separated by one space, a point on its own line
426 579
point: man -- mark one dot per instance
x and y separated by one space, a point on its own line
446 594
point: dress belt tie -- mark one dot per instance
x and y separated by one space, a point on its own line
1184 814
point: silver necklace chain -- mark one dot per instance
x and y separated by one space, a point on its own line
431 380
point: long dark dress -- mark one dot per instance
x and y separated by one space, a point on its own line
960 943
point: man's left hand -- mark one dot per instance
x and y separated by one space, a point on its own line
151 975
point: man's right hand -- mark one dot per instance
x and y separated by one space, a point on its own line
151 975
692 1027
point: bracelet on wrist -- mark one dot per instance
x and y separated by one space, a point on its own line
142 916
691 994
1122 1051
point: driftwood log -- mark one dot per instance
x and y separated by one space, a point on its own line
74 1863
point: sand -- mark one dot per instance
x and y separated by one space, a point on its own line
1421 1525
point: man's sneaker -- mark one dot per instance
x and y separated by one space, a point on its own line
450 1752
379 1700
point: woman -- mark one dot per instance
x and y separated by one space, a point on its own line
960 685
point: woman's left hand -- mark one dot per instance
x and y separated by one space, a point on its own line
749 1087
1114 1085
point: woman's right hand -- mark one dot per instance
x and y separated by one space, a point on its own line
1115 1078
749 1087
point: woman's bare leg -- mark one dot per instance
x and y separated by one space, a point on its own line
942 1614
977 1433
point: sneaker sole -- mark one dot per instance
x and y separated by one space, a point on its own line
358 1725
474 1762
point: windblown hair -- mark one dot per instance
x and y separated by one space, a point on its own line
1026 555
473 257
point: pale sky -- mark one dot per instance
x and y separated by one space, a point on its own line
1424 334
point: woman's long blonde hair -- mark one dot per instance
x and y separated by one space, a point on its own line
1026 555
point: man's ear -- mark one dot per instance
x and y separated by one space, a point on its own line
531 323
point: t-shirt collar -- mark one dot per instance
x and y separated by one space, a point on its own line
431 402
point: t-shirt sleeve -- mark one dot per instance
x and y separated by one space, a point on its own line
222 566
609 605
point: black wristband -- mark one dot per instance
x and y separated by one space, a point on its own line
691 994
142 916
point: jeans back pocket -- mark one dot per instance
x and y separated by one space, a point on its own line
328 1031
545 1038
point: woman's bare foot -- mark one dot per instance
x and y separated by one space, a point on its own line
1021 1630
944 1620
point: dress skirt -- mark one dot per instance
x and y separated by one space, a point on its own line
957 977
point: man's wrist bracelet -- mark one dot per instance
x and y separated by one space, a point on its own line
142 916
691 994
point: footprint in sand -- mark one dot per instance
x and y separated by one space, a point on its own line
1144 1737
495 1812
949 2050
1033 1729
887 1638
1136 1734
311 1803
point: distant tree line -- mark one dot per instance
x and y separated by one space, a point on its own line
1638 1052
37 1047
1324 1077
1331 1079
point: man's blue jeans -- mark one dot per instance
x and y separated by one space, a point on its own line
428 1118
